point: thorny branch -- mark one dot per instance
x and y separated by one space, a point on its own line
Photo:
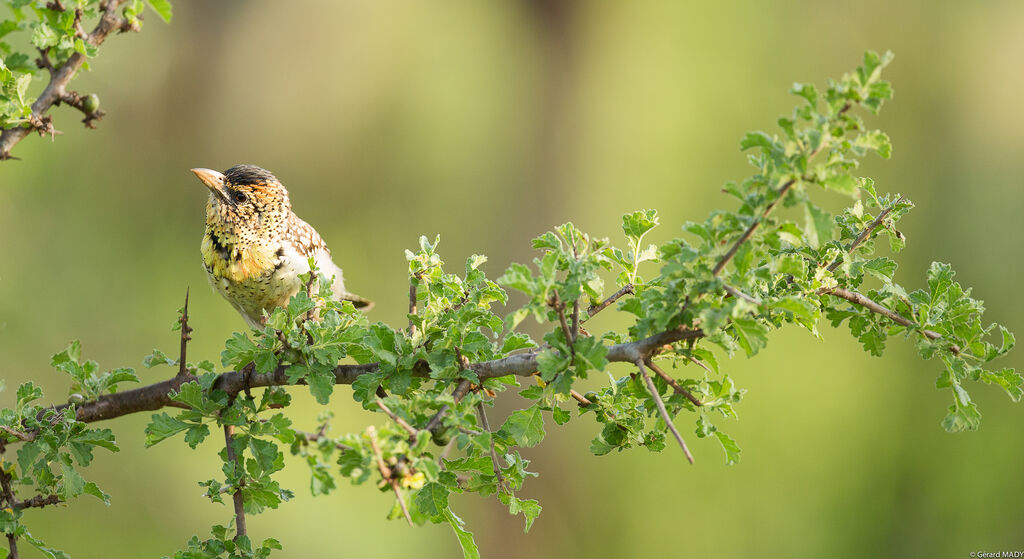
56 89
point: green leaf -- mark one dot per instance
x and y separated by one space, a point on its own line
162 8
432 499
321 383
525 427
845 184
751 335
732 450
883 268
196 434
469 548
163 426
638 223
819 226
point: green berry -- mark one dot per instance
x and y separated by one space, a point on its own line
91 103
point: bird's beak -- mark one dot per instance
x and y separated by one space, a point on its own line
212 179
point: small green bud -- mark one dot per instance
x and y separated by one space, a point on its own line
76 398
91 103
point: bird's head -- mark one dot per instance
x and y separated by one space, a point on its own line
246 202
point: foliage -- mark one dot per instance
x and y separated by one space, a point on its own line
780 258
41 35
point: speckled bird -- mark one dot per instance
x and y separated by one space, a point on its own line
255 247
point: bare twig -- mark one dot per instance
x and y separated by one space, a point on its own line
401 422
185 337
494 455
239 499
583 401
559 307
629 288
60 77
661 409
673 383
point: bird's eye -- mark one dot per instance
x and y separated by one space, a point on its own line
240 197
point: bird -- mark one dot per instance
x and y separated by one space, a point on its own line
255 247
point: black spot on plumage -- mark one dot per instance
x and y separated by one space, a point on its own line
248 175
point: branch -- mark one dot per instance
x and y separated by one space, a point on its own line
239 499
386 473
401 422
753 226
858 299
18 434
60 77
494 455
157 395
760 219
661 409
864 234
39 501
629 288
673 383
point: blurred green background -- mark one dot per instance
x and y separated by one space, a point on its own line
486 123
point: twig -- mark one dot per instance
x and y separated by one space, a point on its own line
858 299
185 337
583 401
239 499
308 437
661 409
18 434
740 295
60 77
753 227
401 422
457 395
494 455
386 472
699 363
39 501
864 234
629 288
559 307
673 383
760 219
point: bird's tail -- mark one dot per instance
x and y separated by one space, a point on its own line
359 302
